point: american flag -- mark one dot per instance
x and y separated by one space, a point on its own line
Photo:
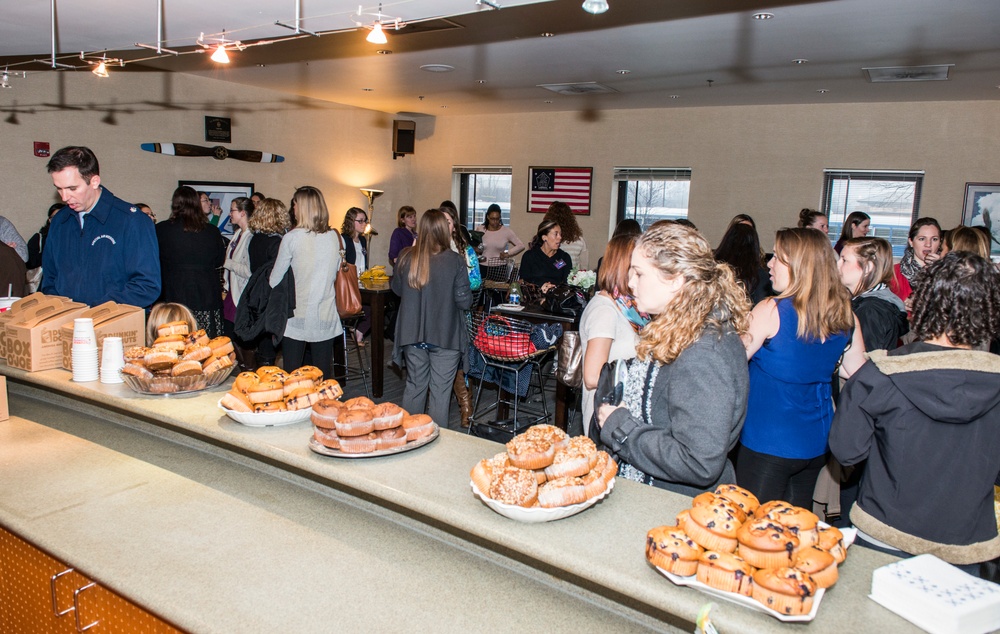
570 185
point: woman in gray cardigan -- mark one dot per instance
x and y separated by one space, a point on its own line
432 283
686 391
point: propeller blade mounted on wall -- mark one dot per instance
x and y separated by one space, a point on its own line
218 152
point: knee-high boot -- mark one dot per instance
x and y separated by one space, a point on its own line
463 397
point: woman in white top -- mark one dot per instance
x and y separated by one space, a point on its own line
609 327
573 242
499 241
312 252
237 272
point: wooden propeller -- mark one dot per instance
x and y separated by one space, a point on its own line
218 152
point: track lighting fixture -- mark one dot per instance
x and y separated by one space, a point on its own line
101 70
377 28
220 55
595 6
222 47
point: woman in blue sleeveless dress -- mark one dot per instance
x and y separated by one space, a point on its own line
794 343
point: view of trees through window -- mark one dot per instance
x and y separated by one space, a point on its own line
892 199
478 192
647 201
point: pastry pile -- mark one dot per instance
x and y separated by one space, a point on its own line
271 389
176 353
775 553
360 426
543 467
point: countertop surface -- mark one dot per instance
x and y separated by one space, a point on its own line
249 517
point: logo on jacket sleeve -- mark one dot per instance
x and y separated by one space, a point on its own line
103 237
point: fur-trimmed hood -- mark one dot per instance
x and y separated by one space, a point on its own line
950 385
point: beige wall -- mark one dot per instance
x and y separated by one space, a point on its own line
763 160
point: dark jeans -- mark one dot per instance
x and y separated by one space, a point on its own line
774 478
294 352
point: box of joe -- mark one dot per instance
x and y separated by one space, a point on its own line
34 338
110 320
19 307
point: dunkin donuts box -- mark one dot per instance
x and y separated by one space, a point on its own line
34 338
19 307
110 320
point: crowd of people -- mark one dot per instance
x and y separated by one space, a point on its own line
743 367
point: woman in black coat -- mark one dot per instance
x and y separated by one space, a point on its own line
191 255
269 222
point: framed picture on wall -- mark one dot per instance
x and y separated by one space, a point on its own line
221 195
982 209
570 185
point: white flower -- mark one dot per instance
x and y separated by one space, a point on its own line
583 279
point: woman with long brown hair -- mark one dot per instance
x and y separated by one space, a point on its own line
794 344
432 283
572 235
686 391
191 255
312 252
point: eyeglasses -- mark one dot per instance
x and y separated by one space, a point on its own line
361 220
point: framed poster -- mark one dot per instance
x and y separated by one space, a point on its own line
982 208
221 195
570 185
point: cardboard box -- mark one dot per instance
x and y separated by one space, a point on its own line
110 320
19 308
34 338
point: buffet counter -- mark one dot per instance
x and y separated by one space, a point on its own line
218 527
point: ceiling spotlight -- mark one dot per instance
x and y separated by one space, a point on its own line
595 6
5 80
384 51
220 55
101 70
763 16
437 68
624 71
800 61
377 36
480 81
675 96
548 34
822 91
368 89
377 28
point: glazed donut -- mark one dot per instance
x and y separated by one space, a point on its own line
245 380
186 368
173 328
294 382
356 422
221 346
170 342
265 392
160 359
198 338
196 353
302 398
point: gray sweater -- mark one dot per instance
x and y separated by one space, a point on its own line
315 260
434 314
695 411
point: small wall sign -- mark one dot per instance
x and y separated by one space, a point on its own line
218 129
42 149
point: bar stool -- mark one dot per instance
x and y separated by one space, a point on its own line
350 327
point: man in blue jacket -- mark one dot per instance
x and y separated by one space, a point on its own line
101 248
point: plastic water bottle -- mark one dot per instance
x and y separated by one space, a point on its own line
514 296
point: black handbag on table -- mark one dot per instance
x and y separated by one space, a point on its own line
565 301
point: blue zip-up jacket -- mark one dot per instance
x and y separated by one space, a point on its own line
114 257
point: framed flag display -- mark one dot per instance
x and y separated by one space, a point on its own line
570 185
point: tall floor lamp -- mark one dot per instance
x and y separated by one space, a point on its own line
371 195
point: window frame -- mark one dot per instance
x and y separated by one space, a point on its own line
624 176
460 189
837 217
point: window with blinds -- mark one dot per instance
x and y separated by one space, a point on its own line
648 194
478 187
890 198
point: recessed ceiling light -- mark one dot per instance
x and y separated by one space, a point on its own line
480 81
368 89
623 71
822 91
384 51
550 101
547 34
261 65
763 16
437 68
675 96
800 60
444 106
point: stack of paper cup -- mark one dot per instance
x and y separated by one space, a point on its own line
84 350
112 360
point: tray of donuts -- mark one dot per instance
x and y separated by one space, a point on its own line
544 476
773 558
270 396
358 428
178 362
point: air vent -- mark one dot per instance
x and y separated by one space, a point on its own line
883 74
582 88
426 26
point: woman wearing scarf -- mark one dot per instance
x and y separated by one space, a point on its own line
686 390
610 325
924 247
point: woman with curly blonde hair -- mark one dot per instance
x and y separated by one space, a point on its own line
794 345
686 391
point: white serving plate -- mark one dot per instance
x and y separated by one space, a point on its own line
322 449
749 602
268 419
514 307
538 514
